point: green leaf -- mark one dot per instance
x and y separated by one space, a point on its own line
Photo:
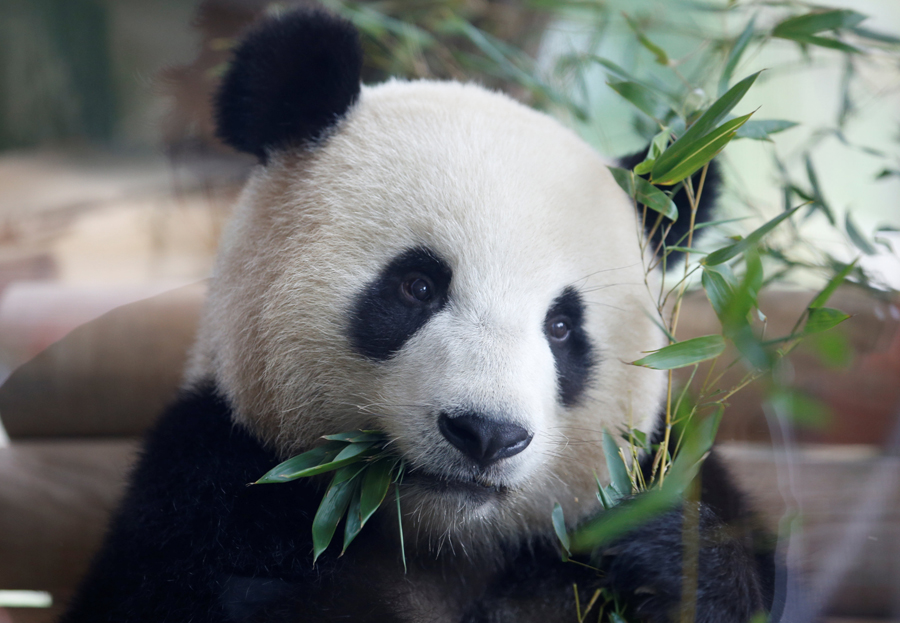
734 56
823 318
608 498
646 193
832 285
298 466
825 42
726 253
707 123
350 454
816 22
348 472
619 520
753 278
661 57
718 290
615 70
352 523
559 526
698 441
818 197
857 238
375 484
719 222
618 472
609 525
697 153
872 35
684 353
356 436
657 146
641 97
760 129
332 508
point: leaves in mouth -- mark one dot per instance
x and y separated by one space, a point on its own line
363 473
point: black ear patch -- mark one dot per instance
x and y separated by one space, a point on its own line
676 235
291 79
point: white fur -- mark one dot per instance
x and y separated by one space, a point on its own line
520 208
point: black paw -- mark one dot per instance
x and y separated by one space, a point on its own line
698 570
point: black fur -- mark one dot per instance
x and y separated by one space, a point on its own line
677 233
574 356
192 543
290 80
383 319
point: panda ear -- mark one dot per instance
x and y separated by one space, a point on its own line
711 187
291 78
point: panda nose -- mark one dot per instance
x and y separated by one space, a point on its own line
483 440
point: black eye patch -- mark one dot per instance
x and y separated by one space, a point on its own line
572 348
397 303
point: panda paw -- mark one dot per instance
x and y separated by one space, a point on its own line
647 569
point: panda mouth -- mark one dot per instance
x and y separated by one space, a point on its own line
441 484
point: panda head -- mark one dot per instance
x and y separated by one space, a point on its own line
429 259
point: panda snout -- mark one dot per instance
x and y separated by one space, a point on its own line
482 439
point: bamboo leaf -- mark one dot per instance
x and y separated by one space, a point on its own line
818 197
618 471
823 318
832 285
641 97
613 523
356 436
734 56
657 146
760 129
607 498
298 466
684 353
661 57
559 526
644 192
726 253
857 237
872 35
332 508
707 122
375 484
816 22
351 453
698 441
352 523
697 153
825 42
718 290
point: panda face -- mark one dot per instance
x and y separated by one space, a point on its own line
456 270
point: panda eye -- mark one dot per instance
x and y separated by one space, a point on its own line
417 289
558 328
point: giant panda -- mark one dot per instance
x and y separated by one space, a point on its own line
441 263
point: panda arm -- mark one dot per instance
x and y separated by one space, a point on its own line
735 565
735 572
